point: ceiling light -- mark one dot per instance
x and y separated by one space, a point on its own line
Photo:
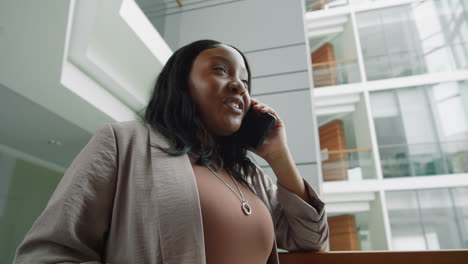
55 142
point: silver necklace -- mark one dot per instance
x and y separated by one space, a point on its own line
245 204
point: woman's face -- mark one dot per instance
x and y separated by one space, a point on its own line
218 87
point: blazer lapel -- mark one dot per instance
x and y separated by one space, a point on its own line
178 205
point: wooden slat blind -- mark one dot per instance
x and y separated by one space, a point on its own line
325 72
332 138
343 233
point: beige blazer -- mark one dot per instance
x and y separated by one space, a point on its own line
123 200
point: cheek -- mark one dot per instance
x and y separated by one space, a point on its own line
202 86
206 105
249 102
209 96
198 93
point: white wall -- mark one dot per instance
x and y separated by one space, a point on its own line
377 233
271 34
32 50
344 44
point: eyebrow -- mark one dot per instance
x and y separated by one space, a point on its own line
227 61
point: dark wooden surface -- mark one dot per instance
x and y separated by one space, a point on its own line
377 257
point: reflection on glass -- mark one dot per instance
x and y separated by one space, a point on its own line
432 159
313 5
460 201
357 224
334 53
344 138
343 233
422 130
347 164
365 243
335 73
416 38
429 219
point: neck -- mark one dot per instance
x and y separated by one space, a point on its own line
194 158
208 139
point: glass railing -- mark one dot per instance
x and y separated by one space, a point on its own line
314 5
335 73
417 61
424 159
347 165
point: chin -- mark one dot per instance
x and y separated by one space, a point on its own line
224 129
228 132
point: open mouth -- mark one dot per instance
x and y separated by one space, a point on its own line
234 104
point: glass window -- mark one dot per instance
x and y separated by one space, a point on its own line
429 219
346 152
422 130
460 198
416 38
333 51
356 222
313 5
350 232
407 231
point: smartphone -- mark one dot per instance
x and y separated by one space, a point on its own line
255 127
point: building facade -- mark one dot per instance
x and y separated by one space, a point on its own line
391 99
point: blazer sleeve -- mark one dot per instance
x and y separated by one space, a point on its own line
73 226
299 226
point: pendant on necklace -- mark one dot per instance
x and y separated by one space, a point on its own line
246 208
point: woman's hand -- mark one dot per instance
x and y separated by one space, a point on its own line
275 144
274 150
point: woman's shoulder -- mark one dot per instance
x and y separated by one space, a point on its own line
124 131
137 132
128 126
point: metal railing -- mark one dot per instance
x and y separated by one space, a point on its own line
400 160
335 72
348 164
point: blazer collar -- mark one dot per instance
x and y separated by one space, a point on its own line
178 205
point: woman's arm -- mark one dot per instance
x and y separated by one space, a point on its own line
275 152
298 213
288 176
299 225
73 226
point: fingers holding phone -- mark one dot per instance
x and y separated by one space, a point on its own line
263 108
274 140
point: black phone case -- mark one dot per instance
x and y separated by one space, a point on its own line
255 127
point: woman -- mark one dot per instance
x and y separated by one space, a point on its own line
179 187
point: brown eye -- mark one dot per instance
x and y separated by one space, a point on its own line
220 69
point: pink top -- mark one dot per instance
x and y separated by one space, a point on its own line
231 237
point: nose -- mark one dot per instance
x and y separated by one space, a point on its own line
237 87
